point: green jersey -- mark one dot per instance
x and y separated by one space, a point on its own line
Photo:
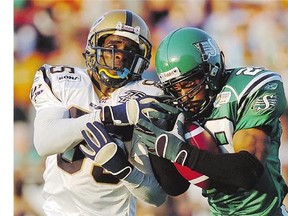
251 97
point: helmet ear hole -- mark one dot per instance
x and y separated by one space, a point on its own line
101 40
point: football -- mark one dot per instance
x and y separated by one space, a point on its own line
202 139
163 123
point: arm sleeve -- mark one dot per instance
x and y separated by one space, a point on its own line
167 175
55 132
237 169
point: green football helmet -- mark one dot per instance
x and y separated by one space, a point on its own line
188 54
123 23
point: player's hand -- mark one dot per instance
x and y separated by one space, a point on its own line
146 107
102 149
166 144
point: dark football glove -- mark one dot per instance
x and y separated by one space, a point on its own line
166 144
102 149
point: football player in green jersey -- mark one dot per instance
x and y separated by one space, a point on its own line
240 107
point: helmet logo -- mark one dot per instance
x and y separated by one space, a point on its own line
207 49
122 27
173 73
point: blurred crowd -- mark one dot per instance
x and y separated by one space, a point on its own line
250 32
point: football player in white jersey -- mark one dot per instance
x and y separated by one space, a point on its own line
72 103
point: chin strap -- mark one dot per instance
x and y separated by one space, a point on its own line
120 74
114 81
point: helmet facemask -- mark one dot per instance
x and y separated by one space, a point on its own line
185 102
132 66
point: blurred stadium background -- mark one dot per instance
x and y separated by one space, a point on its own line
250 32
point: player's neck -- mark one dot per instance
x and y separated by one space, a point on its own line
103 91
100 89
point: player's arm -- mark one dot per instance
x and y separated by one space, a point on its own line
55 131
158 172
143 184
251 143
106 152
253 140
168 176
240 169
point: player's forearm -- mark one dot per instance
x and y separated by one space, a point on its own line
238 169
55 132
145 187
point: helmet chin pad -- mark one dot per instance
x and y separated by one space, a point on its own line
114 81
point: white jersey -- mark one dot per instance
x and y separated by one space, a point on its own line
73 184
